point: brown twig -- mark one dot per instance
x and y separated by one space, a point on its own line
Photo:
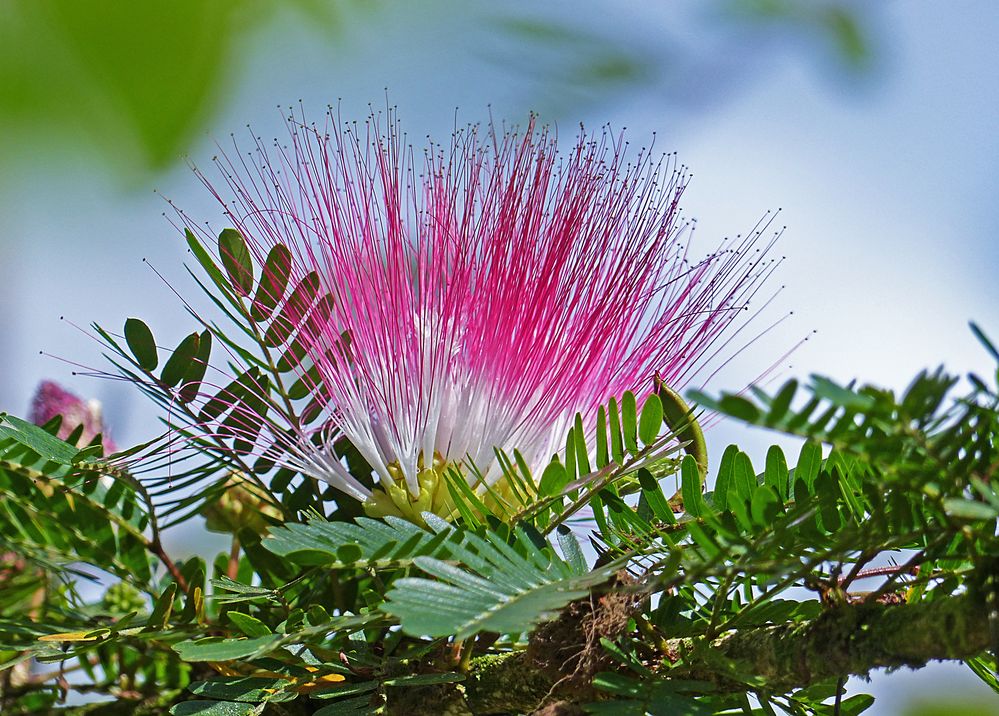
156 547
232 570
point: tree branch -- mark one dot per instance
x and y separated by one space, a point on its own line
849 640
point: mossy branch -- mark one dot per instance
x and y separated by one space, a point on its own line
848 640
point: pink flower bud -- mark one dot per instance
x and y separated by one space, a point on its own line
51 400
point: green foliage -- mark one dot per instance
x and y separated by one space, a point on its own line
60 507
659 698
221 423
890 500
629 444
836 22
362 544
500 587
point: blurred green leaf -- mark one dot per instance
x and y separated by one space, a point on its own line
141 78
488 585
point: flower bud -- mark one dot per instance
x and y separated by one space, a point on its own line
51 400
123 598
241 505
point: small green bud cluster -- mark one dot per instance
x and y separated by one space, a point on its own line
123 598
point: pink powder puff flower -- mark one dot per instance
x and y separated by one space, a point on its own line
490 289
51 399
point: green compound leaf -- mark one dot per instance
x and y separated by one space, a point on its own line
57 505
368 544
488 585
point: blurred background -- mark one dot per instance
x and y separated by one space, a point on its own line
871 125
